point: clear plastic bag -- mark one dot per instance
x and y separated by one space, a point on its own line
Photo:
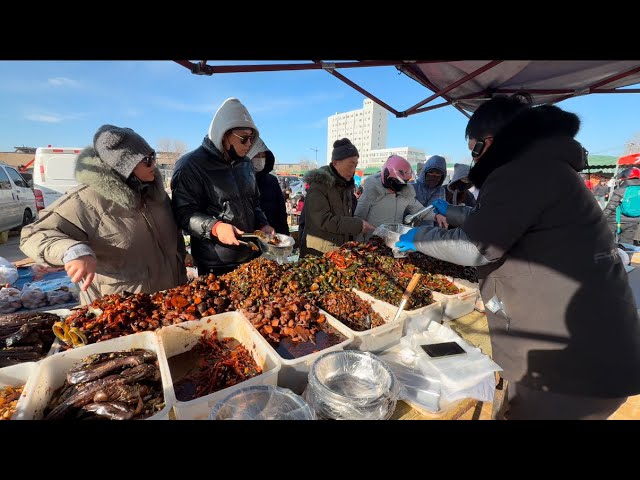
60 296
262 402
471 375
390 233
8 272
33 297
352 385
416 387
10 300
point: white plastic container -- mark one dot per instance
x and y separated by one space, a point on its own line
15 376
458 305
378 338
417 319
180 338
294 372
52 372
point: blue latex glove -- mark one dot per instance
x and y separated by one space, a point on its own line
406 242
440 206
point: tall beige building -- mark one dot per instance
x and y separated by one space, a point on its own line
366 128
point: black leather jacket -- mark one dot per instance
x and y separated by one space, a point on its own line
206 188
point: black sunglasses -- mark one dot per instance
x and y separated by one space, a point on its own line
245 138
149 159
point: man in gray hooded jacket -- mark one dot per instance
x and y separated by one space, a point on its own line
214 192
561 314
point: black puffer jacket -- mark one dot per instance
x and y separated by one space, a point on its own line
271 197
561 313
205 189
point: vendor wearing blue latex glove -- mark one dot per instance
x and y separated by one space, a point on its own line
440 206
546 273
406 242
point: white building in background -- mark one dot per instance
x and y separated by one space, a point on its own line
366 128
377 157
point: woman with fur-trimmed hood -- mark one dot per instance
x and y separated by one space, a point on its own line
328 209
115 232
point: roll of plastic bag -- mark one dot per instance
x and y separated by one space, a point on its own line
8 272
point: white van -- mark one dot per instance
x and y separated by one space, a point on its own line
54 173
17 200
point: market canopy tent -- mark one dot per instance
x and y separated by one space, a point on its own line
466 84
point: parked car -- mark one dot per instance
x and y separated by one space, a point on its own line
298 188
17 200
54 173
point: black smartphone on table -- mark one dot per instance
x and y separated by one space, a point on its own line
444 349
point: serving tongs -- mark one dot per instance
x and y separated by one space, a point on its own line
410 218
250 244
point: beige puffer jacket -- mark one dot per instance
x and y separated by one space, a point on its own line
136 241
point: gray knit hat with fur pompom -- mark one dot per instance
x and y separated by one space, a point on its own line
121 148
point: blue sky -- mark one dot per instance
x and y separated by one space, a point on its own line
63 104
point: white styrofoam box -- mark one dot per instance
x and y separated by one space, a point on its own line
384 336
17 375
52 372
295 372
177 339
460 304
417 319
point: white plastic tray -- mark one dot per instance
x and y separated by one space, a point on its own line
460 304
417 319
15 376
295 372
177 339
378 338
51 373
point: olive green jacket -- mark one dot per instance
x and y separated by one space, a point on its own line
328 210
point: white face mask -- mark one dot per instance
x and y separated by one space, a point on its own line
258 163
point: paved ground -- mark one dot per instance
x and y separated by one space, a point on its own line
11 250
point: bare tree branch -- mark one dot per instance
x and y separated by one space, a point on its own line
633 145
171 149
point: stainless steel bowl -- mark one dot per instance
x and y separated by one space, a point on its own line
280 251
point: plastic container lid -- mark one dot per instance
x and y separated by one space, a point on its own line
262 402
